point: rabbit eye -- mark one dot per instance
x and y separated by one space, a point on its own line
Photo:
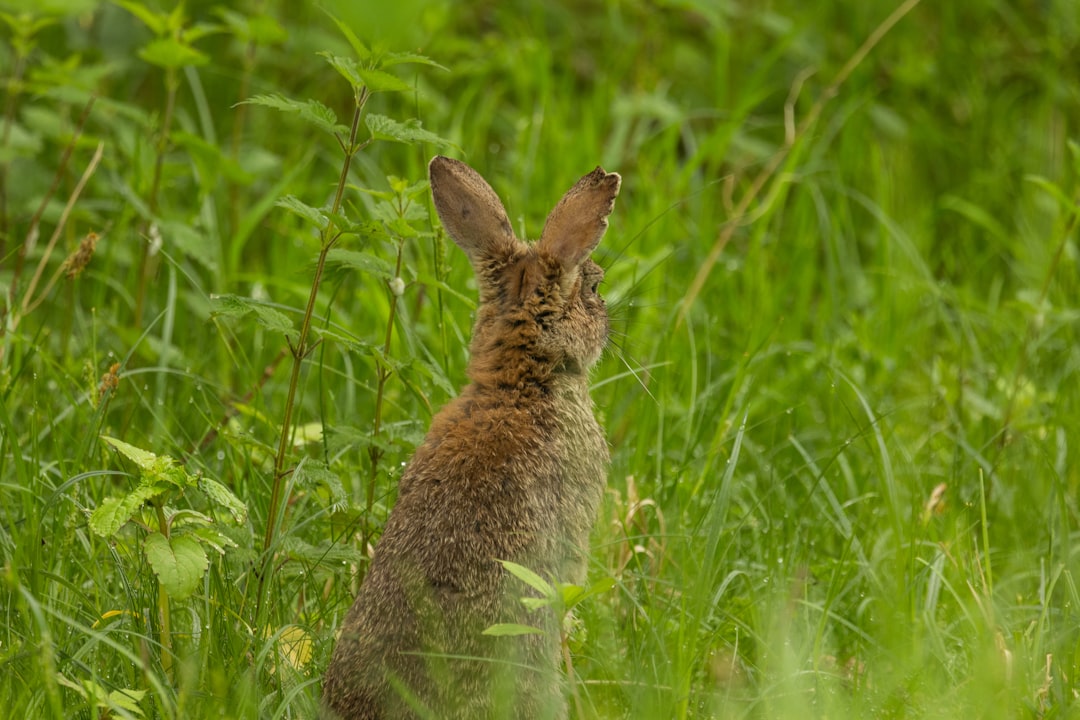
594 285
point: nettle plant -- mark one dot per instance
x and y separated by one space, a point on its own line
393 223
175 539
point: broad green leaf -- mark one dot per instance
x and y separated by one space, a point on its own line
200 30
179 563
361 50
168 52
401 58
154 467
25 25
511 630
311 111
126 700
192 240
157 23
261 29
265 30
143 458
346 67
99 697
535 603
223 497
295 646
77 687
113 512
315 475
236 306
384 128
325 553
574 594
379 81
362 261
528 577
341 225
313 215
209 535
342 437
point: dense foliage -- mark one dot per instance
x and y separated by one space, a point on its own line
842 399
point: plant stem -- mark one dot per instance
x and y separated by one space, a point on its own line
163 604
146 265
374 451
300 351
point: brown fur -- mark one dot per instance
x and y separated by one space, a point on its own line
512 469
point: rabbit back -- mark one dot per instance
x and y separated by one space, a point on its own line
512 469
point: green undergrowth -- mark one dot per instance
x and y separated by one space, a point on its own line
842 395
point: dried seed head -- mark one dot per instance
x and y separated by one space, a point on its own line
78 260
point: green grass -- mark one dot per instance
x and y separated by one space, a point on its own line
844 478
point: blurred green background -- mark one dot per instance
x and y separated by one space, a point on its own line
842 395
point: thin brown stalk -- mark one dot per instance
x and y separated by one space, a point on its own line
768 172
300 350
87 173
35 220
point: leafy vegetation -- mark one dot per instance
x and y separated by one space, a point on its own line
843 397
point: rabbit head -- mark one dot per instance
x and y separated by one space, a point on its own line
540 315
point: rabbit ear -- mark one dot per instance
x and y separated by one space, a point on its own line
575 226
470 211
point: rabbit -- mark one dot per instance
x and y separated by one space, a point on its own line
514 468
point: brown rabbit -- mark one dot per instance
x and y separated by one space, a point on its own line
512 469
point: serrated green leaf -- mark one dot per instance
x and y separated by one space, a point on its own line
315 475
127 700
346 67
311 111
154 467
209 535
179 563
113 512
200 30
329 553
187 517
313 215
362 261
361 50
511 630
379 81
528 577
236 306
384 128
265 30
401 58
223 497
342 437
68 682
167 52
157 23
143 458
